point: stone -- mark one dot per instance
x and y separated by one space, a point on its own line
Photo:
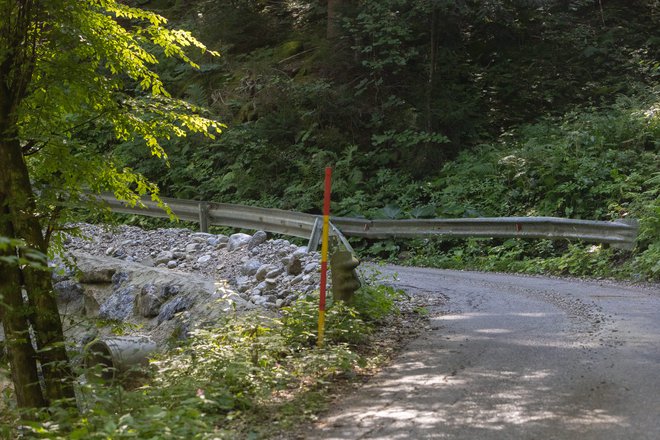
172 307
119 305
204 259
171 290
275 273
260 275
260 300
172 264
258 238
68 290
310 267
148 301
97 276
250 267
118 278
147 262
237 241
263 286
300 252
242 283
202 235
294 266
164 257
193 247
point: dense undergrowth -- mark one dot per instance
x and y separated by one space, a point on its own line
251 376
599 164
430 109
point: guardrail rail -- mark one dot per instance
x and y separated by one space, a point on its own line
621 233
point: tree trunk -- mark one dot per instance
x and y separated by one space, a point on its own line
13 314
19 219
334 27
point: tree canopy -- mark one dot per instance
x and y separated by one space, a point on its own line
68 67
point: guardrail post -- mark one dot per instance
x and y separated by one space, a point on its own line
315 236
203 217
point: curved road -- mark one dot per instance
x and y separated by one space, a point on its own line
510 357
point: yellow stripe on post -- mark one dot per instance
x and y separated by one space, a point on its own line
324 256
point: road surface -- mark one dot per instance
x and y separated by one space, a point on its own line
511 357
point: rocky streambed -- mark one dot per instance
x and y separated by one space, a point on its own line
165 282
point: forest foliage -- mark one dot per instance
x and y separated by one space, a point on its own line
431 108
447 108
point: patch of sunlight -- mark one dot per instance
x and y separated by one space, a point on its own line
494 330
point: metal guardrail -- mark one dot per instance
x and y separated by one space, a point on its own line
621 233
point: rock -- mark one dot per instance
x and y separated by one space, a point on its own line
148 301
97 275
263 286
250 267
172 307
300 252
68 290
171 290
260 275
204 259
260 300
164 257
172 264
258 238
218 241
310 267
284 293
294 266
119 305
275 273
242 283
237 241
147 262
192 248
118 279
202 237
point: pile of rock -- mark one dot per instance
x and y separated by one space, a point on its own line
265 272
168 281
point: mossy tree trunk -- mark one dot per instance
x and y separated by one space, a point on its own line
37 309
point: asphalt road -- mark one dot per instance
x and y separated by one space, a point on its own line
511 357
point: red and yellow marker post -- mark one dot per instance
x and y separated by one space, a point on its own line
324 255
